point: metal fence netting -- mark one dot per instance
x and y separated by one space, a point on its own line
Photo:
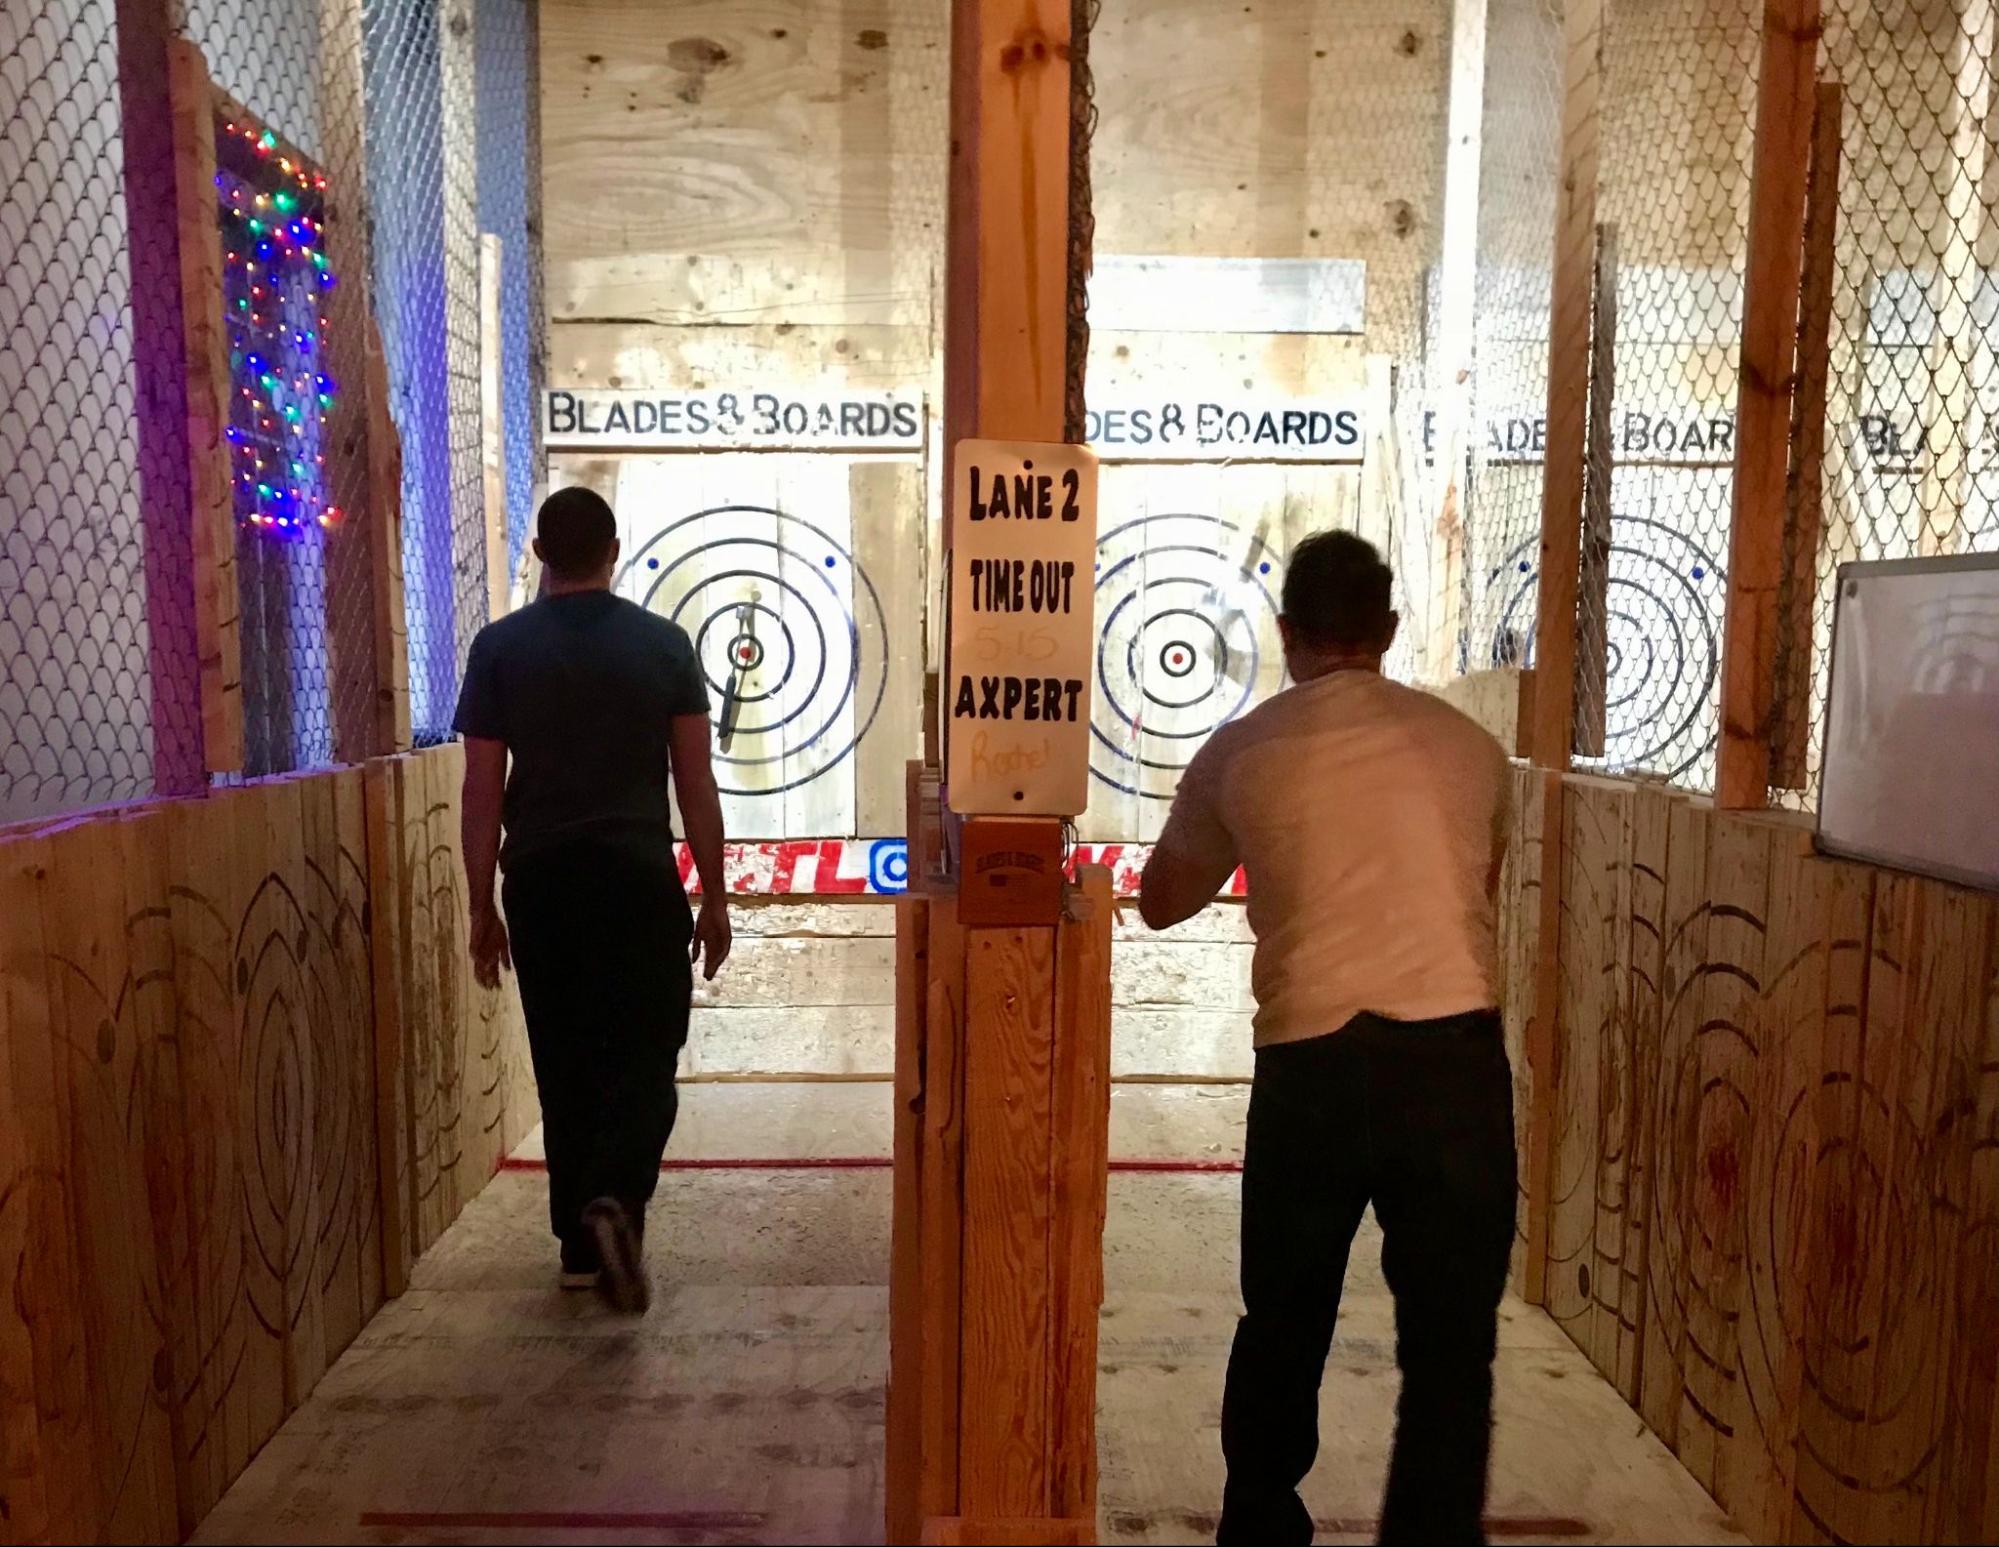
79 721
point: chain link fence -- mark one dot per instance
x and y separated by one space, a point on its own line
79 723
361 145
1676 108
1911 417
1519 164
509 142
422 192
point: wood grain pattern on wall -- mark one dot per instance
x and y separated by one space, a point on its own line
191 1215
1811 1053
709 137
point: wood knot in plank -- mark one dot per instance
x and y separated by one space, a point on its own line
1033 47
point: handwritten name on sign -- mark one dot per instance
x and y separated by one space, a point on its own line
728 419
1275 429
1023 628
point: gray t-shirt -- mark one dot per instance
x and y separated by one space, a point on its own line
583 688
1369 818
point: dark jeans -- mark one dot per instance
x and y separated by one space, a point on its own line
1415 1117
600 940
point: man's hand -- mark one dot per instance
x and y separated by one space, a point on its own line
490 948
712 935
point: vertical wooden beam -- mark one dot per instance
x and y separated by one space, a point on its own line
1457 287
1780 163
364 583
1007 254
1079 1163
1003 1417
1568 388
1804 484
493 424
1380 472
211 507
158 169
996 1327
903 1462
1592 675
941 1183
1543 1031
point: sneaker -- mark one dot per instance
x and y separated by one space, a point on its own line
623 1281
581 1265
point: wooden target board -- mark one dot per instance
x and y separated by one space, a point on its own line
1189 572
756 557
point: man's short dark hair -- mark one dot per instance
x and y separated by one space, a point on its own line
1336 592
576 530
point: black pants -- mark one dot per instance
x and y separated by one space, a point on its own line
600 942
1417 1119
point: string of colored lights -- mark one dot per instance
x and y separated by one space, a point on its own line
275 276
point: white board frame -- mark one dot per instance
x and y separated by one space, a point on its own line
1822 842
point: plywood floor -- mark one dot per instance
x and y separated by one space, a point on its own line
484 1406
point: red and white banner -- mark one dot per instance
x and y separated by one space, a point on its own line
879 867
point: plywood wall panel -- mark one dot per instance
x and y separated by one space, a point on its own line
1809 1199
706 130
190 1197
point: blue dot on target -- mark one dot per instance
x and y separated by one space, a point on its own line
830 561
652 563
1263 568
1699 572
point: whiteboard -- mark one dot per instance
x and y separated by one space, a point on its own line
1911 772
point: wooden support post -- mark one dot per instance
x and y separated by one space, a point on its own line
1568 389
493 425
1543 1073
1592 677
1002 1121
1804 484
904 1418
1550 712
1780 163
366 627
212 509
1381 471
1457 287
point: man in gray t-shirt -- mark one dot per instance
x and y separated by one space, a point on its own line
597 703
1370 820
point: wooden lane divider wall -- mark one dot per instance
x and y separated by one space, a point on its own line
217 1155
1773 1219
1002 1114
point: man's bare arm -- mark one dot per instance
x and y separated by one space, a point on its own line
1175 888
701 812
479 843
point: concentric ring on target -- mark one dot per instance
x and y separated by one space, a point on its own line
738 658
1182 599
786 580
1662 650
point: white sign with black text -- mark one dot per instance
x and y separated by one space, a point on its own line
1677 437
1023 628
730 419
1262 429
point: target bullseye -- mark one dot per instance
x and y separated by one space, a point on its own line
1186 619
773 607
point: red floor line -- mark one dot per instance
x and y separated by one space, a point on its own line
564 1520
882 1163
